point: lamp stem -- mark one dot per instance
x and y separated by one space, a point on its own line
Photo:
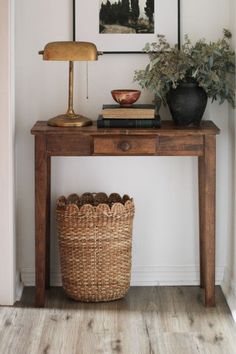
70 111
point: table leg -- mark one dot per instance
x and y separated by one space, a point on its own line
201 173
207 182
42 183
48 217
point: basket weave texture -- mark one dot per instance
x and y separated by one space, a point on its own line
95 241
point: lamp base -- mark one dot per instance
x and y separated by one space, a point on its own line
64 120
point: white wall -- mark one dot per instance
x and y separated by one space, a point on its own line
7 240
165 248
229 284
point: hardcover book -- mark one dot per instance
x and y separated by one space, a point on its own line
128 123
135 111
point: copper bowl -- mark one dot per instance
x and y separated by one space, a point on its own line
125 97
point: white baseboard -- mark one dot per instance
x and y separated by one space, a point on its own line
169 275
229 289
142 276
19 286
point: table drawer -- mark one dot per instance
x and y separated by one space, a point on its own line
124 145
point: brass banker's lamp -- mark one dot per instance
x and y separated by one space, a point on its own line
70 51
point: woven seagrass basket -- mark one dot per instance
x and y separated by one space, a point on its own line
95 240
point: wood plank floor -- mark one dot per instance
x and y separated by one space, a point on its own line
150 320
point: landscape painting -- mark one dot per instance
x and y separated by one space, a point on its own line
125 26
126 16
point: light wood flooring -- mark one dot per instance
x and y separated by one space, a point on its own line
149 320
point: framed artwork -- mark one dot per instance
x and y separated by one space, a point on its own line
125 26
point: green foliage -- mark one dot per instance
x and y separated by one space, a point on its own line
117 12
211 65
149 9
125 11
135 10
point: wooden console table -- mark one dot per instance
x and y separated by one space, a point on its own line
170 140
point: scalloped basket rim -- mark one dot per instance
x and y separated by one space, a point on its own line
101 207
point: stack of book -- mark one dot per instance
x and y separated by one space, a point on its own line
134 116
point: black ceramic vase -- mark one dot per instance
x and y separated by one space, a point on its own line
187 103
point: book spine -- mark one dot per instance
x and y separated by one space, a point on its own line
130 113
117 115
134 123
133 106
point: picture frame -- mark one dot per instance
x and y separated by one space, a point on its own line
87 26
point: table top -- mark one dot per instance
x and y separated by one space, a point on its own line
168 128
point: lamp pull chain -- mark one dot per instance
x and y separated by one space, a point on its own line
87 81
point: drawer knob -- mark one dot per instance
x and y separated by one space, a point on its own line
124 145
